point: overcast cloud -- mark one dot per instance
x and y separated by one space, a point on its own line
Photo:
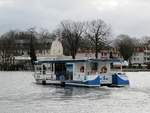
130 17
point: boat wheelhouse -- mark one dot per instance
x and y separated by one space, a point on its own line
79 72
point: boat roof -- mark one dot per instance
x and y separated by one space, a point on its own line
76 61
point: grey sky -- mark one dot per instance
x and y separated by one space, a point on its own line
125 16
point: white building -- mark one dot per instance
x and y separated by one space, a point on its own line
141 56
103 54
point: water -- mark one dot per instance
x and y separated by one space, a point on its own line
20 94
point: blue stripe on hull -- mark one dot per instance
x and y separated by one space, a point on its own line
94 82
88 83
118 81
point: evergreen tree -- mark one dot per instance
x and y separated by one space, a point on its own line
32 50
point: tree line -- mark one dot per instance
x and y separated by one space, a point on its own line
94 35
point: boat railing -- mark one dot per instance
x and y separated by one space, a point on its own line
46 76
50 76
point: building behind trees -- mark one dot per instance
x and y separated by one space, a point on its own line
15 48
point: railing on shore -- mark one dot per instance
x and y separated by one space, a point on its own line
16 68
134 70
129 70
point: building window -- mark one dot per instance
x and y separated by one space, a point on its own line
86 54
134 59
105 54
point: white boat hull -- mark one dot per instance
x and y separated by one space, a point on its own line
48 82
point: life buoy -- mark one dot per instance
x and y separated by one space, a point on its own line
104 69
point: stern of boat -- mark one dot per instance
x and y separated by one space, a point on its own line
120 79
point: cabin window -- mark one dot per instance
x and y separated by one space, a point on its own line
60 71
38 68
44 69
94 67
69 71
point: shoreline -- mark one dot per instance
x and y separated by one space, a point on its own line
123 70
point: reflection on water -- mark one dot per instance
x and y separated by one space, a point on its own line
20 94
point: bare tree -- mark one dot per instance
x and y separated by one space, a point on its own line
71 33
7 48
97 31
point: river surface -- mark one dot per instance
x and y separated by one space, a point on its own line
20 94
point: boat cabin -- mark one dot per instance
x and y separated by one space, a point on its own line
72 69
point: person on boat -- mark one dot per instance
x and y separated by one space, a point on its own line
104 69
94 67
82 69
81 74
94 71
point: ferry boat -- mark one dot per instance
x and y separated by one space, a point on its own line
79 72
